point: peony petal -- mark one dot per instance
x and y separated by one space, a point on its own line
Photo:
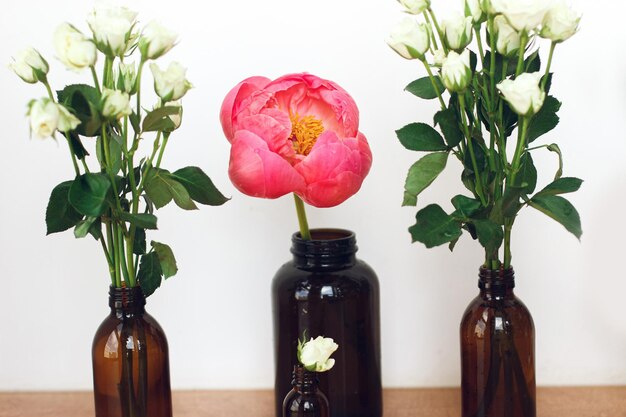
257 171
232 102
275 131
332 192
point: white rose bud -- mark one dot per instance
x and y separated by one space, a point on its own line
315 354
560 23
171 84
115 104
410 39
474 10
178 117
73 48
487 7
67 121
457 30
456 73
156 40
523 94
44 117
127 78
523 15
30 66
507 39
439 57
112 29
415 6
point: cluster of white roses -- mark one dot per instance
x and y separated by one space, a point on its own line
314 355
514 22
115 34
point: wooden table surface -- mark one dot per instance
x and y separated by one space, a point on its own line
435 402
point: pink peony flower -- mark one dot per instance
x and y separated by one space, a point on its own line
296 134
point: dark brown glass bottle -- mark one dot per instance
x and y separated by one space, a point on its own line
131 376
326 290
305 399
497 351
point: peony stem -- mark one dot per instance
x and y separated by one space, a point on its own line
304 224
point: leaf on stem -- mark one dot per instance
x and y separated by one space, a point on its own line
434 227
490 234
422 174
526 178
90 194
115 152
141 220
149 275
555 148
449 124
166 259
161 188
545 120
420 137
159 119
465 207
84 102
560 210
82 228
139 243
561 186
60 215
423 87
199 186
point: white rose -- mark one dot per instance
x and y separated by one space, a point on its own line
67 121
73 48
410 39
115 104
474 10
457 30
415 6
456 73
439 56
507 39
171 84
487 7
523 15
30 66
560 23
112 29
523 94
315 354
44 117
156 40
127 78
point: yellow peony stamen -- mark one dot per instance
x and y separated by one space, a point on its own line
304 132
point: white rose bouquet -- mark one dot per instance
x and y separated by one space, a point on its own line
488 99
114 197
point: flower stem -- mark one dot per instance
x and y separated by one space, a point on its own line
547 74
166 137
470 147
435 86
522 49
95 78
304 224
432 35
480 44
439 32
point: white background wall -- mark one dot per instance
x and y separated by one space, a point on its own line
216 312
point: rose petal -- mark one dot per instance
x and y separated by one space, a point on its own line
259 172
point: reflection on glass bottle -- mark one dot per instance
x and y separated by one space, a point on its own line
305 399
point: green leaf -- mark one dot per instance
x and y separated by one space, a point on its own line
420 137
150 273
77 145
60 215
96 229
449 125
465 207
422 174
490 234
423 88
561 186
526 178
141 220
84 102
533 62
159 119
161 188
115 153
506 206
139 243
89 194
555 148
199 186
180 195
166 259
434 227
134 122
83 227
545 120
560 210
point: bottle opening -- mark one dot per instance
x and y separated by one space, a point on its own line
330 247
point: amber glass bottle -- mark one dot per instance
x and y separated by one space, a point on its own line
130 360
497 351
326 290
305 399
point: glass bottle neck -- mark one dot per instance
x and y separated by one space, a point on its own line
496 283
304 382
126 301
327 249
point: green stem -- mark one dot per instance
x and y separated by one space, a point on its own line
72 154
95 78
120 253
439 32
470 147
519 150
138 81
305 233
108 258
507 243
522 50
107 160
479 41
435 86
545 77
49 90
432 35
166 137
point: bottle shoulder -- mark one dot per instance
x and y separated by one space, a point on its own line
481 309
